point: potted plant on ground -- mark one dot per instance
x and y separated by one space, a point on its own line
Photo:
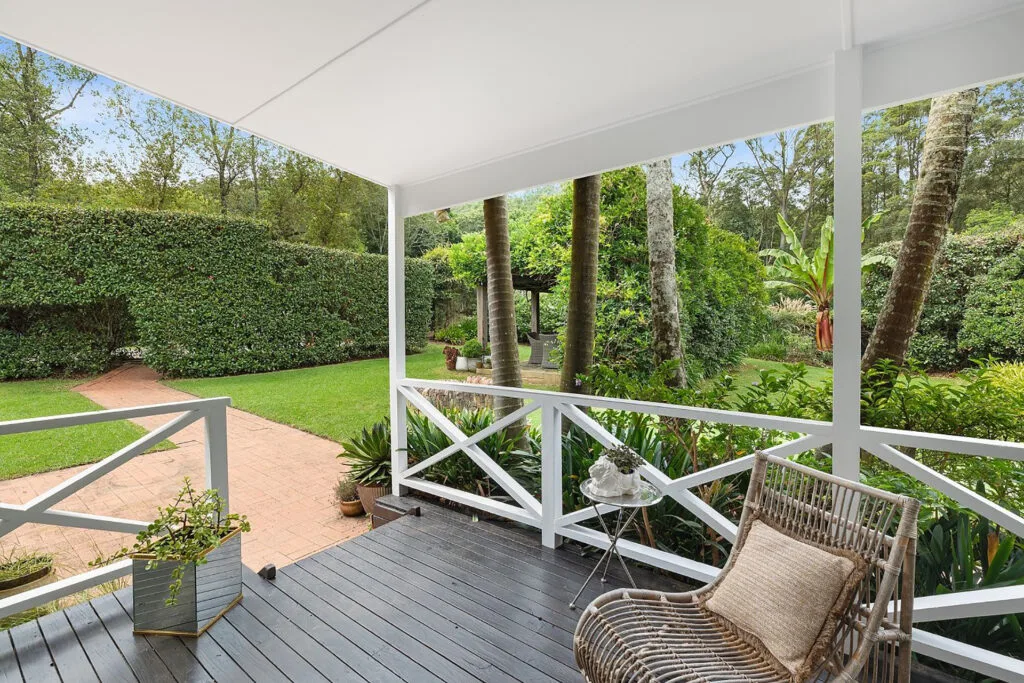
369 459
23 571
451 357
347 495
471 353
186 565
617 472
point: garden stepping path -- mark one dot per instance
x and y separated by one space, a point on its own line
280 477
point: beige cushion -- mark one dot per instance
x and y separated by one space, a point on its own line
787 595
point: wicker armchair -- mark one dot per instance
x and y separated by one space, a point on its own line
642 635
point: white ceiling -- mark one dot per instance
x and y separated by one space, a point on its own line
405 91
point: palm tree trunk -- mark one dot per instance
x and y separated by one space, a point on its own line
661 248
501 305
579 328
942 163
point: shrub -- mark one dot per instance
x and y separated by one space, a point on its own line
457 333
963 260
202 295
994 319
473 349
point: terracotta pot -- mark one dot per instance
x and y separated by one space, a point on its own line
369 494
351 508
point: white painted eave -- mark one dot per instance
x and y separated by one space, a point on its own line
914 68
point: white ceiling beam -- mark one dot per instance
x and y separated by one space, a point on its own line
984 51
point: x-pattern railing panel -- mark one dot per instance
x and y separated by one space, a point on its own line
40 510
879 441
463 442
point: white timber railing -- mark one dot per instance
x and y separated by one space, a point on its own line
547 515
40 510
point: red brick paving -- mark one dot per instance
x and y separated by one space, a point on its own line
280 477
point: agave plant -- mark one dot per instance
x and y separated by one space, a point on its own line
812 274
369 455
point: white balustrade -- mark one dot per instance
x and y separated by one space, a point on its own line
39 510
547 514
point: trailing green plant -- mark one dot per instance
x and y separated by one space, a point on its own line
183 532
369 455
201 295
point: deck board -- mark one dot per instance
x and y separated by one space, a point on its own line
435 599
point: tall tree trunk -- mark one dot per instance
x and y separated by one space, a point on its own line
661 248
942 163
579 327
501 305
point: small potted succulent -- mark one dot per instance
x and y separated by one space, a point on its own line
472 351
23 571
347 495
451 356
369 460
186 565
617 472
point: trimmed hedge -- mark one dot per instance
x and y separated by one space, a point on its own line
201 295
994 321
963 263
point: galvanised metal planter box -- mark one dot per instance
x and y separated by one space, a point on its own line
207 590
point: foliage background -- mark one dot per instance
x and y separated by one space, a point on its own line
201 294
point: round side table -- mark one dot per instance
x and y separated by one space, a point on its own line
647 495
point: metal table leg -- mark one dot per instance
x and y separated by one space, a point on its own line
613 549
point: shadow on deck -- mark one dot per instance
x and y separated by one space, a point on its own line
436 598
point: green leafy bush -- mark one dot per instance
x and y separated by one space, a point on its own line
473 349
457 333
963 263
201 295
994 318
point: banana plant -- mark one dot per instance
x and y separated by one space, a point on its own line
811 274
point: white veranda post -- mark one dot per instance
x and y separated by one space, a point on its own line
847 248
396 335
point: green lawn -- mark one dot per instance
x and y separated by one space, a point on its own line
33 452
334 401
745 373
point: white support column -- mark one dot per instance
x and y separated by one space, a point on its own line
396 336
215 426
551 473
846 350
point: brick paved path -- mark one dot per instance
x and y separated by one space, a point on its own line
280 477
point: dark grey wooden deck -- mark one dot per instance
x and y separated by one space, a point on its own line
436 598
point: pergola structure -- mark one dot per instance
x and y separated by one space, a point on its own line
548 91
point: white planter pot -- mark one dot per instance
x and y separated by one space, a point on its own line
462 363
609 481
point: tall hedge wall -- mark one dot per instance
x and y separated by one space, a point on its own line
201 295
